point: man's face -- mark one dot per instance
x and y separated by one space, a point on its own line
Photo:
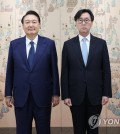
84 24
31 25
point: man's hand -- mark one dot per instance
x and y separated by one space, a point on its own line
68 102
55 101
9 101
105 100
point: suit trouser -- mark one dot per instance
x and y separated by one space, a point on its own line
24 117
81 117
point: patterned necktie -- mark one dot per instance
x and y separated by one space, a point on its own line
84 51
31 54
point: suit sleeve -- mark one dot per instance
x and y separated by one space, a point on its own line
54 67
64 73
107 90
9 73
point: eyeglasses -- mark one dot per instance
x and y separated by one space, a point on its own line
86 21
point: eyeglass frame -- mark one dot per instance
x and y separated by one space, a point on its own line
86 21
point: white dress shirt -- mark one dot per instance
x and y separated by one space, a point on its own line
87 41
28 45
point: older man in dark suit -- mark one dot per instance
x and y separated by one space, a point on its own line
32 80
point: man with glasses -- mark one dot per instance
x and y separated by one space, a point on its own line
86 75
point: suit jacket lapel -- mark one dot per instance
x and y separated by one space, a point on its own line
39 50
78 50
22 51
91 49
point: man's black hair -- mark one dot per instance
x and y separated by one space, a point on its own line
31 12
80 12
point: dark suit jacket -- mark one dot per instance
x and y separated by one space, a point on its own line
43 79
95 77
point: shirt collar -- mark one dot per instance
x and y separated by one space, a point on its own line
35 40
87 37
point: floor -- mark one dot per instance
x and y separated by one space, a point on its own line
114 130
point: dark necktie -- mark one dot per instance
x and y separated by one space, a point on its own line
31 54
84 51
